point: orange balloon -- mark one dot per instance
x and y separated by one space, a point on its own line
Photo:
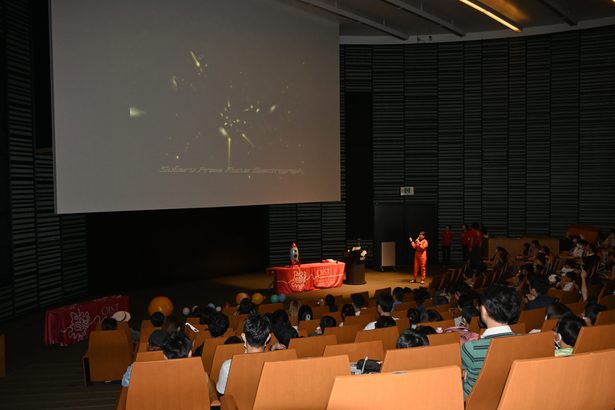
160 304
257 298
241 296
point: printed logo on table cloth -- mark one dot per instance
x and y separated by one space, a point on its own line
79 324
297 283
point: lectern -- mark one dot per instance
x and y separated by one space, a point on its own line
355 266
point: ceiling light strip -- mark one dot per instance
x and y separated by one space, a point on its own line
488 11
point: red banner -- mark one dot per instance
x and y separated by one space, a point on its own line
72 324
307 277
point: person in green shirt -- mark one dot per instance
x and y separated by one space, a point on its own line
566 333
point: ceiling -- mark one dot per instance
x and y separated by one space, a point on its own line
445 20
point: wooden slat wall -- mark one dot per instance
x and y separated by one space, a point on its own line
517 134
47 260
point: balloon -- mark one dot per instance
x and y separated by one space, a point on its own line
282 297
160 304
257 298
274 298
241 296
211 305
186 311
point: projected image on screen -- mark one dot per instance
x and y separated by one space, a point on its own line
162 104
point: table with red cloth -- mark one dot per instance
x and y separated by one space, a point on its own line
309 276
72 324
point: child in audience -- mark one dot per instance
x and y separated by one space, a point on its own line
431 315
414 317
358 302
591 313
218 325
463 329
157 319
347 310
566 333
330 302
283 332
410 338
108 324
385 306
305 313
385 321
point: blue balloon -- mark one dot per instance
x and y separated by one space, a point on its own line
281 297
275 298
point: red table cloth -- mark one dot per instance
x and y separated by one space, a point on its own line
72 324
306 277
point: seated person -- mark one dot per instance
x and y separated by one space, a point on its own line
330 302
206 313
325 322
537 295
157 319
566 282
358 302
398 296
556 310
500 307
566 333
425 330
173 324
385 321
305 313
108 324
414 317
463 329
218 324
591 313
385 306
347 310
410 338
256 334
233 340
156 340
431 315
283 332
176 346
246 307
279 316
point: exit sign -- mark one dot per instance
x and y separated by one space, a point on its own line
406 191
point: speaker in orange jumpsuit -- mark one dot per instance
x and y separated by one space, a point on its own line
420 256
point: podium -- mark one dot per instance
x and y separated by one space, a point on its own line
355 267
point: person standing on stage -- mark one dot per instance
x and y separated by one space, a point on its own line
420 256
447 241
475 245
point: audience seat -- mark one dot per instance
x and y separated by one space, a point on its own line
357 351
208 351
146 332
502 352
592 338
149 356
361 320
320 311
431 389
402 308
608 301
444 339
580 381
344 334
606 318
365 295
109 354
564 296
384 291
221 354
299 384
548 325
269 307
422 357
245 374
533 318
311 346
577 308
388 335
168 384
309 326
442 324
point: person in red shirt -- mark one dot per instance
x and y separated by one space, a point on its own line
465 242
475 245
420 256
446 241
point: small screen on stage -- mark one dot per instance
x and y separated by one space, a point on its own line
162 104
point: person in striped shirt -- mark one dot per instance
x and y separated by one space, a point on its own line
500 306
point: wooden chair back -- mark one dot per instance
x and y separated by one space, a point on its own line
533 318
365 295
320 311
402 323
109 354
221 354
245 373
357 351
402 308
500 355
422 357
372 310
444 339
606 318
530 383
209 349
440 389
388 336
593 338
311 346
309 325
577 308
149 356
269 307
474 325
548 325
442 324
234 321
564 296
306 384
344 334
361 320
608 301
204 335
146 323
142 347
168 384
384 291
146 332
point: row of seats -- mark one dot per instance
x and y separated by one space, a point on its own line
519 372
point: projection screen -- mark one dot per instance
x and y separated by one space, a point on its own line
193 103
